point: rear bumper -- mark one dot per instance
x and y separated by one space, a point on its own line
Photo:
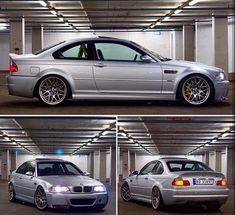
182 196
77 200
21 85
221 90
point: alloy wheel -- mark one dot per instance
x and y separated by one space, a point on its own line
196 90
125 192
155 198
11 192
40 199
53 90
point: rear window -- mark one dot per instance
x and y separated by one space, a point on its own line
47 48
175 166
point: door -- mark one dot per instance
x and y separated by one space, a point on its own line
118 68
76 60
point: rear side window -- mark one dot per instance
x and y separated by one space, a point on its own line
175 166
47 48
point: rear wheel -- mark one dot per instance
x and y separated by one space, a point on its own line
11 192
195 90
125 192
40 199
157 201
53 90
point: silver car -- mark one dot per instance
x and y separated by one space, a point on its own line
56 183
170 181
109 68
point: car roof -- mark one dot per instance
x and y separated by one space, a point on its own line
48 159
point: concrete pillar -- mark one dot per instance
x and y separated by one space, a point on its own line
17 36
125 164
217 161
220 43
188 42
5 164
37 38
230 167
206 158
13 158
113 169
91 164
177 45
103 166
132 162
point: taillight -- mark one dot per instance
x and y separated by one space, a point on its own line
222 183
180 182
13 67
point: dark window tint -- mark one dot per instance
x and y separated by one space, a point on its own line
57 168
158 168
21 169
26 167
147 168
116 52
187 166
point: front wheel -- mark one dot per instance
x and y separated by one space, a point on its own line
53 90
195 90
40 199
11 193
157 201
125 192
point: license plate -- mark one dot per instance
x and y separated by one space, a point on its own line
203 181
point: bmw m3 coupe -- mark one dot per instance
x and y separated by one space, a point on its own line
170 181
110 68
55 183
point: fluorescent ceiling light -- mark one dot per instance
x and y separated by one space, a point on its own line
53 12
66 23
152 25
166 18
43 3
225 134
104 132
131 140
193 2
7 138
178 11
213 141
61 18
95 139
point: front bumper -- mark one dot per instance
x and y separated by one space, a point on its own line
183 196
21 85
221 90
77 200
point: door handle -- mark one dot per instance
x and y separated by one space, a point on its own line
99 65
146 178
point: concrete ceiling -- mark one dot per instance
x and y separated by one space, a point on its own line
46 135
175 135
111 14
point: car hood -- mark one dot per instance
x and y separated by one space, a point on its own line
190 64
74 180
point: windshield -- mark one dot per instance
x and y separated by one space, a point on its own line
175 166
47 48
57 168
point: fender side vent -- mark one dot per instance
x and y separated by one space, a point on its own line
168 71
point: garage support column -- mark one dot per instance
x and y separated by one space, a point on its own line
17 36
37 38
206 158
125 164
230 167
188 42
218 158
13 162
91 164
5 164
103 166
132 161
220 43
113 167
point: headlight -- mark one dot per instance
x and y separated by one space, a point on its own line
59 189
220 76
99 188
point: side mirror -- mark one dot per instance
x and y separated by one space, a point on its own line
145 59
134 173
29 173
86 173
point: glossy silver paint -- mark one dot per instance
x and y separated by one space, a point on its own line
141 186
96 79
25 187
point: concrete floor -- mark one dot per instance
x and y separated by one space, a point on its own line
17 105
19 208
139 208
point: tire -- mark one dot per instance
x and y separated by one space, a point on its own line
196 90
40 199
156 199
213 206
125 192
53 90
11 193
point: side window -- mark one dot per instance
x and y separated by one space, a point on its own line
158 168
76 52
147 168
21 169
30 167
116 52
